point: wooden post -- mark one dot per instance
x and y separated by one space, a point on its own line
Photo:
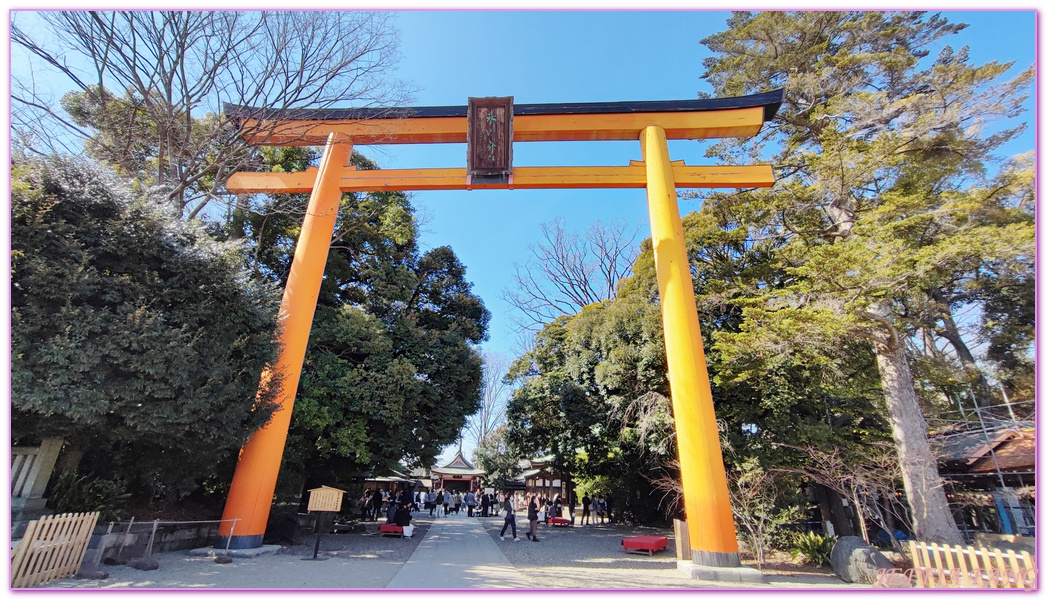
254 482
710 523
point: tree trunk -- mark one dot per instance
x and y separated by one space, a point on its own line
858 512
932 518
951 333
841 522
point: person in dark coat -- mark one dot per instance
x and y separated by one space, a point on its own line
485 505
376 504
532 518
403 516
406 498
510 516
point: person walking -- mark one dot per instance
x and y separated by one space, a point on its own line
363 504
430 501
586 514
509 506
532 519
447 501
572 501
376 505
457 502
601 510
470 502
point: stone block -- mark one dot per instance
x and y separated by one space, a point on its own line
724 574
855 561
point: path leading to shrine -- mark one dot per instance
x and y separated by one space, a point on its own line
458 553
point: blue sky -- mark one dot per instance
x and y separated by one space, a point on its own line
577 56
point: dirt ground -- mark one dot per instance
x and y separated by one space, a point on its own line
565 558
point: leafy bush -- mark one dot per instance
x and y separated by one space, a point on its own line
85 493
815 549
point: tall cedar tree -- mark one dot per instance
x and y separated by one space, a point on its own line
866 111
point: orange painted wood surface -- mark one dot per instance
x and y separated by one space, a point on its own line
632 176
737 122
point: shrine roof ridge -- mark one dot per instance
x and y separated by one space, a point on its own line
770 101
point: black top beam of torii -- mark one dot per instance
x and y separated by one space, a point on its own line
770 101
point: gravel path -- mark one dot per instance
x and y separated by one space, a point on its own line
566 557
589 557
355 560
592 557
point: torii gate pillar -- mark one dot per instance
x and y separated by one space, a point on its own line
254 482
710 523
711 527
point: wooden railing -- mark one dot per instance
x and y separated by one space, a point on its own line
52 548
942 566
25 465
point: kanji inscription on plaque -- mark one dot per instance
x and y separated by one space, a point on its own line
490 137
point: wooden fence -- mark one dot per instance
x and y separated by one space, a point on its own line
52 548
24 469
944 566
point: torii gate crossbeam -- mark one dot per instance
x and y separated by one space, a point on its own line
710 525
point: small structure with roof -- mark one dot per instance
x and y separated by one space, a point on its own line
991 477
458 475
538 476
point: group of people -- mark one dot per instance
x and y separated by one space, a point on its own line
596 509
542 508
441 502
397 507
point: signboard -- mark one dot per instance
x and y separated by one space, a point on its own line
489 137
325 499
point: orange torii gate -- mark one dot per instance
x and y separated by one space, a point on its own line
490 126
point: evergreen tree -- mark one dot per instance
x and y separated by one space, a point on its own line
391 372
876 147
133 336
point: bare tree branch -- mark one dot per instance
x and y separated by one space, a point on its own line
494 396
568 271
150 85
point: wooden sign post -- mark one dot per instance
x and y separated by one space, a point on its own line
326 501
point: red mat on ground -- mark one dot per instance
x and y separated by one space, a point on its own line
646 543
389 528
562 522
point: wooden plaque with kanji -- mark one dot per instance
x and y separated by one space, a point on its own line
490 137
